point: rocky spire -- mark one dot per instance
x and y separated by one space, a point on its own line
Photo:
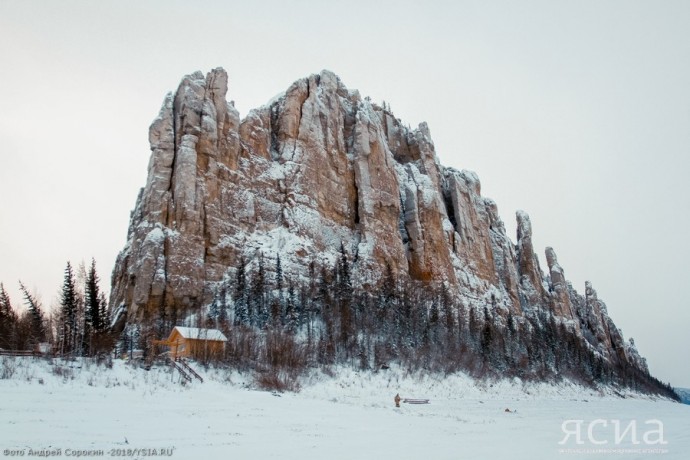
560 299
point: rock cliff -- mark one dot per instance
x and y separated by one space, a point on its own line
317 167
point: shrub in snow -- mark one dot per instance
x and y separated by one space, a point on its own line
8 368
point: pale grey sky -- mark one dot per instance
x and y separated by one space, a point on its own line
577 112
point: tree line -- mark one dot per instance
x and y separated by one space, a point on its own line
279 325
77 327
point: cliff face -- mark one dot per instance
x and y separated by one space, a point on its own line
314 168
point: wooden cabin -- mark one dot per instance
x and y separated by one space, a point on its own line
193 342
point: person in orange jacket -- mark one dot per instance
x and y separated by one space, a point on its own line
397 400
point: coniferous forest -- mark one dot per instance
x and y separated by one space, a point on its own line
279 327
78 325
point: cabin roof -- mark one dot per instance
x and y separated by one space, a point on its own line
200 334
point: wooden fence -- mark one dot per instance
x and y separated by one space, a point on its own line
20 353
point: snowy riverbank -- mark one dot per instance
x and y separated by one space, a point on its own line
80 407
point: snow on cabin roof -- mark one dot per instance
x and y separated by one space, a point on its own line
202 334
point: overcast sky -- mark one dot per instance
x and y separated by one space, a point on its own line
576 112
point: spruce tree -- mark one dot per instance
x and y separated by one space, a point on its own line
92 300
386 301
292 313
487 337
215 308
258 295
279 275
104 313
473 327
448 314
279 287
308 296
5 304
93 307
35 311
68 310
223 306
242 313
434 316
344 297
8 321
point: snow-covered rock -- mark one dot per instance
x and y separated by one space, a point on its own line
317 167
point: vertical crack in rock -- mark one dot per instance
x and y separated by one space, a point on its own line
404 236
172 166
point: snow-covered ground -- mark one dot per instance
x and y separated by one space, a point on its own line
128 412
684 394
